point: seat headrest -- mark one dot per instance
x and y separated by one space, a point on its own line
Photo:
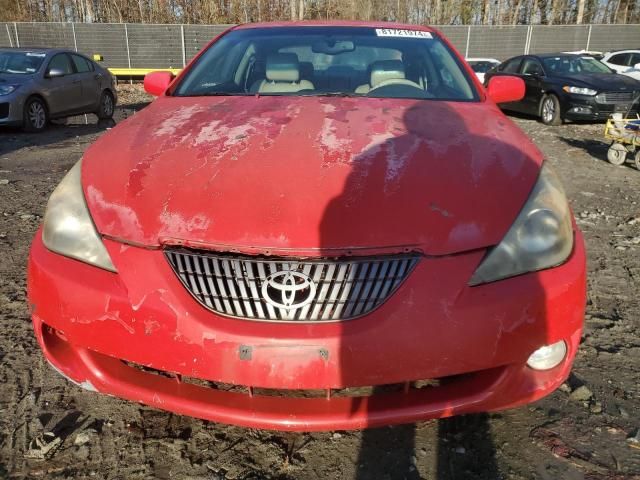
386 70
283 67
306 70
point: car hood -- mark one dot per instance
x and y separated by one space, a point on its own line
275 173
602 81
14 78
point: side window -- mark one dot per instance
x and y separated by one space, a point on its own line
60 62
620 59
82 64
531 67
511 66
635 59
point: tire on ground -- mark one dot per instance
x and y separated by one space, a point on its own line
617 154
35 116
106 106
550 112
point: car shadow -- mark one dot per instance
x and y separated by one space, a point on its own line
13 139
596 149
466 448
390 169
60 131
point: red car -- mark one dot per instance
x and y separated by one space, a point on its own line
315 226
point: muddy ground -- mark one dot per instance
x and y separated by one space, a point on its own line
586 430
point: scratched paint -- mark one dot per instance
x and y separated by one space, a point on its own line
305 172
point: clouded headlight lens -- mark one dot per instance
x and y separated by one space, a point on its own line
68 228
541 237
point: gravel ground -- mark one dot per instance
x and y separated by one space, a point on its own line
586 430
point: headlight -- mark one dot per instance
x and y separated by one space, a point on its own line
579 90
7 89
68 228
541 237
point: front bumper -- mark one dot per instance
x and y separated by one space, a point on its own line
93 326
11 108
582 107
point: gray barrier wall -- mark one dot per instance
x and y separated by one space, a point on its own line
164 46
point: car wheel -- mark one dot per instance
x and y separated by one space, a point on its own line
636 159
617 153
550 110
35 115
107 106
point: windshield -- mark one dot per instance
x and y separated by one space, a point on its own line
482 66
574 64
23 63
342 61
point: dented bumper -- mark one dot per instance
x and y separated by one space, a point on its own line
140 335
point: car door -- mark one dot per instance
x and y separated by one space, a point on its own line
89 80
532 74
63 92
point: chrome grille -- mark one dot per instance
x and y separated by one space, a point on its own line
616 97
263 288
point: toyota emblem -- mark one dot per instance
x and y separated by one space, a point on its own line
288 289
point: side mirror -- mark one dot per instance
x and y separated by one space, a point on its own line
55 73
156 83
505 88
637 66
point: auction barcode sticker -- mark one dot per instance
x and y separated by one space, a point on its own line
394 32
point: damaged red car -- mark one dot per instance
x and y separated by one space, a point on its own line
314 226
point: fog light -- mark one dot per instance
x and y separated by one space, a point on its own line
581 110
548 356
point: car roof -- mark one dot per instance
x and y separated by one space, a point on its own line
558 54
336 23
625 50
482 59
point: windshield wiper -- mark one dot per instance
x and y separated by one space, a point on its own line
215 94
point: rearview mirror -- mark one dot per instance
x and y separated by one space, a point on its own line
333 47
505 88
156 83
55 72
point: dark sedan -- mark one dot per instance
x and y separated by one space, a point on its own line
39 84
569 87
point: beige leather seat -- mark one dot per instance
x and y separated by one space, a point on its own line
283 75
386 72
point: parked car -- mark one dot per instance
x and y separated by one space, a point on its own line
482 66
626 62
569 87
591 53
40 84
333 208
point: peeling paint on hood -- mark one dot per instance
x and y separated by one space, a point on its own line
311 172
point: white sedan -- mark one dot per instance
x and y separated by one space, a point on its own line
626 62
482 66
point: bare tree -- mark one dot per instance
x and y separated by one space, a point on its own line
456 12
